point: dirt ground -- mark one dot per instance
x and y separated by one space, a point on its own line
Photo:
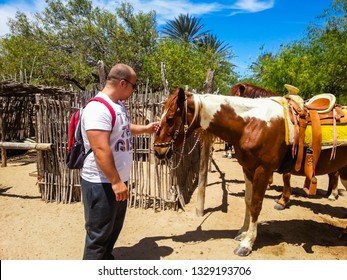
308 230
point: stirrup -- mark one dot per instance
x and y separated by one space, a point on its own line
309 167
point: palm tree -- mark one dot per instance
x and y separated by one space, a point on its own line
212 43
185 28
188 29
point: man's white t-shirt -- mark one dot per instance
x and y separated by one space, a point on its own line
97 116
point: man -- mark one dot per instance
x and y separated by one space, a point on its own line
106 171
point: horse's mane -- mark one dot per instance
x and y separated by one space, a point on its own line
251 91
173 97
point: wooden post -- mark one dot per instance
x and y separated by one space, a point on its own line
3 150
26 146
163 78
204 157
3 157
102 74
38 135
21 146
208 86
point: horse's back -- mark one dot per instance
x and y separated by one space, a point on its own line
264 109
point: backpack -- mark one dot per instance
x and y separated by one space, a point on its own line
76 153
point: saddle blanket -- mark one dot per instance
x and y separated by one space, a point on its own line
328 134
327 130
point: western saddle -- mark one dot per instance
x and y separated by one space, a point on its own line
320 109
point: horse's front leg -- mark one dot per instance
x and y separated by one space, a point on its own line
248 196
255 191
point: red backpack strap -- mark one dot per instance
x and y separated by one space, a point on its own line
72 127
109 107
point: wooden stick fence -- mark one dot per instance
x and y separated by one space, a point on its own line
153 184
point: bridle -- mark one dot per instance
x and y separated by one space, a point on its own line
186 127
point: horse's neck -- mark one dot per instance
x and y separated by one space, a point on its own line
197 107
209 108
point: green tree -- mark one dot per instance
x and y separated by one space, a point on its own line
73 36
293 64
212 43
332 38
188 65
315 64
62 45
195 51
20 63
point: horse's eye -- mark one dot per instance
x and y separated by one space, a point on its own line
170 122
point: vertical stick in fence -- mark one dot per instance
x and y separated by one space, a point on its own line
3 150
205 152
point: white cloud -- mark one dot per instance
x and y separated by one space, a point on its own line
8 11
165 9
251 6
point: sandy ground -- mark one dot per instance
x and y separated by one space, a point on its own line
308 230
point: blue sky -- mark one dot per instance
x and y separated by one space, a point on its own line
246 25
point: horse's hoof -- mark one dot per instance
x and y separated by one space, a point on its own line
242 251
279 206
332 198
239 236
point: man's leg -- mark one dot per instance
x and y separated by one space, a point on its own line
121 208
99 206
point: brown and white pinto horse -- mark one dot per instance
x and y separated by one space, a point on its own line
255 128
253 91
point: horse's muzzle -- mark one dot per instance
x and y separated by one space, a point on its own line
163 152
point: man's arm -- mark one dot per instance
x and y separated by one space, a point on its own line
141 129
99 143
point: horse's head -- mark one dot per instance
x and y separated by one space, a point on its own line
177 123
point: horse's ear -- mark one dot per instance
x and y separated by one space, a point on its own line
174 91
242 89
181 96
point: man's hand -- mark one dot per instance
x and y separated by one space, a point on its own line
121 191
152 127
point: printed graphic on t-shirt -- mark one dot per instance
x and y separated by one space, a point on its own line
124 143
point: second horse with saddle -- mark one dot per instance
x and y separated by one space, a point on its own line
319 123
